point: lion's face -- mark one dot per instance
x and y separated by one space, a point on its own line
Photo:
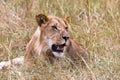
54 32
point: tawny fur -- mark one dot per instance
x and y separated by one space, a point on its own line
38 47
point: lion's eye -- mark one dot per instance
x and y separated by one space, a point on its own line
54 27
66 28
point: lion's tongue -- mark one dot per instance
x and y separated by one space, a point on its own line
60 47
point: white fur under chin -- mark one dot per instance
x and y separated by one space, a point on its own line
58 54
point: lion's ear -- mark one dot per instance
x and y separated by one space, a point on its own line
41 19
68 19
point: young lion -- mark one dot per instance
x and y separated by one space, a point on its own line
52 41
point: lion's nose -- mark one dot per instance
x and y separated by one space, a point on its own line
65 38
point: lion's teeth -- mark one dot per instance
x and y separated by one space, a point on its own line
58 48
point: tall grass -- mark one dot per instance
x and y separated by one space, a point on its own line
95 24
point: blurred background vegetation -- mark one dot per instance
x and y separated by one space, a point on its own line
95 24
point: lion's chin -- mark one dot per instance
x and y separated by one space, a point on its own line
58 55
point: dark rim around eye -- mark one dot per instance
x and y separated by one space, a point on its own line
66 28
54 27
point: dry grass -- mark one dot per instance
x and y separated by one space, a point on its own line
95 23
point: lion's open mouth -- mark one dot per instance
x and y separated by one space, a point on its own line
58 48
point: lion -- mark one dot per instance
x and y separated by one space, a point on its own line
51 41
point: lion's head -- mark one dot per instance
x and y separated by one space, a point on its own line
54 32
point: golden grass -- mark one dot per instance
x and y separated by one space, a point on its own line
95 24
